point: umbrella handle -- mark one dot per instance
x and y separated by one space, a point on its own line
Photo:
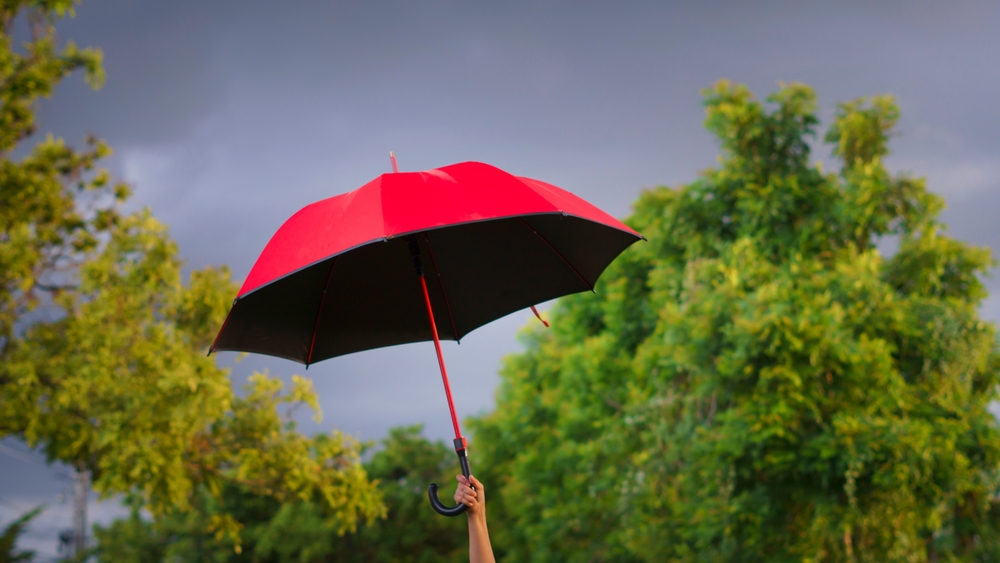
432 489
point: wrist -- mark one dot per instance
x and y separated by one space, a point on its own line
477 518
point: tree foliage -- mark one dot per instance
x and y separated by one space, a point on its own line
297 532
103 342
8 539
759 382
411 532
53 203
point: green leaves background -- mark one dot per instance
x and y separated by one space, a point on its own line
758 382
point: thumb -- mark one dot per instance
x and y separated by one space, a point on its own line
476 482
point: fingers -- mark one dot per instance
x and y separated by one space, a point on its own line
470 492
462 490
470 481
464 493
475 482
466 496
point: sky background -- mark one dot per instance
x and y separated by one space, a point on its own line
227 117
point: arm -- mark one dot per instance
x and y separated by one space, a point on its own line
480 550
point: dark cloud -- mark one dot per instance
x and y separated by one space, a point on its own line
229 116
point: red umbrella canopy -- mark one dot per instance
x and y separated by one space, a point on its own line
338 276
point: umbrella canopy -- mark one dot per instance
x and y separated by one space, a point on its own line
338 276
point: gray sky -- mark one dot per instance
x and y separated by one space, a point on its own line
227 117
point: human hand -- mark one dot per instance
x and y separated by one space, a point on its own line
472 494
474 498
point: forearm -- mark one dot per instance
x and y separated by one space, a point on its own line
480 550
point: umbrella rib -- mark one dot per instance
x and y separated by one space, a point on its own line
447 303
223 329
319 312
554 249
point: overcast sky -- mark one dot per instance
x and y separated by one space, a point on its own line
227 117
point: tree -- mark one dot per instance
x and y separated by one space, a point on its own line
44 229
411 532
760 383
102 347
8 539
292 531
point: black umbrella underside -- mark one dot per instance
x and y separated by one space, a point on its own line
370 296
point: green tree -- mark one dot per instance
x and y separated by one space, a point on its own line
411 532
8 539
129 540
298 532
54 205
102 345
758 382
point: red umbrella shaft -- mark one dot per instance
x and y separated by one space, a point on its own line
437 347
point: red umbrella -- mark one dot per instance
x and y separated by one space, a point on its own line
347 273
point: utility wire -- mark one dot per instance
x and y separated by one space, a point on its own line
4 449
22 456
16 505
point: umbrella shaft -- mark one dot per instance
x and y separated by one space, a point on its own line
444 371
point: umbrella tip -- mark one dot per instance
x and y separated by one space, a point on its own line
392 158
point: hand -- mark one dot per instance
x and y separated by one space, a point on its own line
480 550
475 499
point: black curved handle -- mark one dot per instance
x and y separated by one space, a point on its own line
432 489
432 493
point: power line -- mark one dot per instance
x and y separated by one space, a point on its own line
4 449
17 506
25 457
